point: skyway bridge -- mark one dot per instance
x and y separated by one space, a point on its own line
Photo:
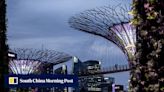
107 70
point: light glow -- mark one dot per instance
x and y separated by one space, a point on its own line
24 66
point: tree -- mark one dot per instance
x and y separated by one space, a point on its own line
111 23
148 72
30 61
3 46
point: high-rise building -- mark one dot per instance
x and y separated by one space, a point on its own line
107 83
119 88
78 66
91 83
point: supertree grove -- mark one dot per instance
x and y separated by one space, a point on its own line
30 61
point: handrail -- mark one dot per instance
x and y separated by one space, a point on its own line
107 70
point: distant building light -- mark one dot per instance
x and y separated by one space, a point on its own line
99 62
117 87
94 89
75 59
64 67
106 78
90 67
11 55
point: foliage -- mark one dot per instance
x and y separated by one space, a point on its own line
147 73
3 46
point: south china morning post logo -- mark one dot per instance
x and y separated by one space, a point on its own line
43 80
13 81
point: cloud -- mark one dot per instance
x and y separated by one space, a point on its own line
45 23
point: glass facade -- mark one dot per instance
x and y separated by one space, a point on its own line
91 83
106 84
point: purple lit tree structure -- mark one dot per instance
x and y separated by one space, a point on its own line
24 66
31 60
111 23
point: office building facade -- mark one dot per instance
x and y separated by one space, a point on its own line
90 83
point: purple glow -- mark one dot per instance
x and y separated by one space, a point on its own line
24 66
113 87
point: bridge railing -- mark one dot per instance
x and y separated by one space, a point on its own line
107 70
104 70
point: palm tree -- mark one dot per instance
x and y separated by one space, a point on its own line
3 46
147 75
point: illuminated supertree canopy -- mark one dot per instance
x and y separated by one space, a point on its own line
111 23
31 60
24 66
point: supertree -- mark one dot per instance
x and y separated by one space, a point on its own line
24 66
111 23
31 60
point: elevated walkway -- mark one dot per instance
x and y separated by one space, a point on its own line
108 70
